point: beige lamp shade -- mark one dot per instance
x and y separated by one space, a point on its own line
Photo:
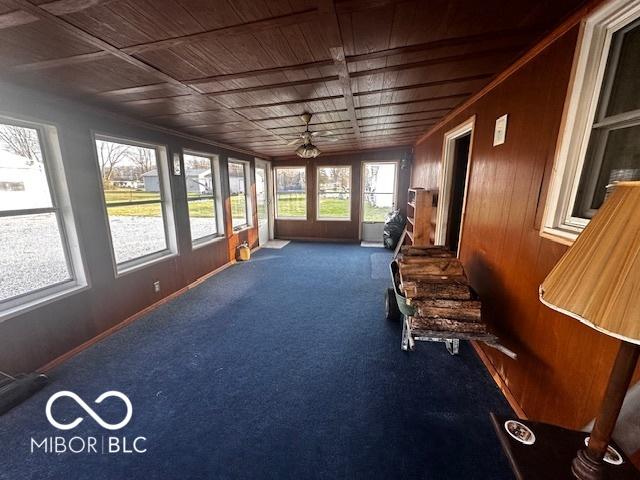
597 281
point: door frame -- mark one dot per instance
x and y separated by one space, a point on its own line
396 181
260 163
446 178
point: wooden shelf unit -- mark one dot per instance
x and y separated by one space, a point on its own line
421 217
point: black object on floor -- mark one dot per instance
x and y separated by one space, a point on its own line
15 390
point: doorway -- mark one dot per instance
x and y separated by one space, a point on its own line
454 177
379 197
263 202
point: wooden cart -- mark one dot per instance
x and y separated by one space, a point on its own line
432 298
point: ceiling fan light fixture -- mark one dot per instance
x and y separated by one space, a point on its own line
307 150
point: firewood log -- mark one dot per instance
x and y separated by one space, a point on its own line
446 325
462 310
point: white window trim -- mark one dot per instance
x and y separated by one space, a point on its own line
590 61
306 193
446 180
247 195
61 203
164 178
215 171
333 219
363 192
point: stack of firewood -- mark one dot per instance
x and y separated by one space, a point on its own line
435 285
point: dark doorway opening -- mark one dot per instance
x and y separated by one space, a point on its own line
458 184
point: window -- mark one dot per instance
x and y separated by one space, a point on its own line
202 181
137 196
291 193
40 256
238 182
379 189
601 140
334 193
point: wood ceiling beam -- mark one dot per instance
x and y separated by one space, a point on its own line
436 83
382 117
60 62
520 35
408 102
345 80
436 61
399 122
285 117
254 73
367 128
315 125
233 30
101 44
289 102
140 89
19 17
308 81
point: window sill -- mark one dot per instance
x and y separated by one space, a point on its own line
41 299
242 229
333 219
559 236
205 241
144 262
293 219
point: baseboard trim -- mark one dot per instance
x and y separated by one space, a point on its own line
129 320
499 381
318 239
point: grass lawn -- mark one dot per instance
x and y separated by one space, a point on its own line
293 205
200 208
290 205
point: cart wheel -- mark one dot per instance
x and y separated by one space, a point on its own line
391 310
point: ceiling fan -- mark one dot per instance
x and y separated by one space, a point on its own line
308 149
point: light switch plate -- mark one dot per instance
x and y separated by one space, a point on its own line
500 132
177 170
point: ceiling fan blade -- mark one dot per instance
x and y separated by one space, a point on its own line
323 133
294 141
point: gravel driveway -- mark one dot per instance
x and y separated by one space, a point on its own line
32 256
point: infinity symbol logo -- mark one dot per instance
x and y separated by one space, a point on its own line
89 410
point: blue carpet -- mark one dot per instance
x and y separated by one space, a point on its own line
280 368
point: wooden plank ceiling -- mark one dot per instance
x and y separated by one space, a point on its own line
376 73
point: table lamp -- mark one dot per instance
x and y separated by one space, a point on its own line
597 282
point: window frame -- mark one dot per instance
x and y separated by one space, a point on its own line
579 117
396 181
247 194
306 192
166 203
50 148
333 219
214 160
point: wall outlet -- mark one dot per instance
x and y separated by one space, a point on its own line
156 286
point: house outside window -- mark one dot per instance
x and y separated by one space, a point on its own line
137 195
202 182
40 258
600 142
238 188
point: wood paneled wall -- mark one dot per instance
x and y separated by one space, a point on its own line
32 339
562 366
344 231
